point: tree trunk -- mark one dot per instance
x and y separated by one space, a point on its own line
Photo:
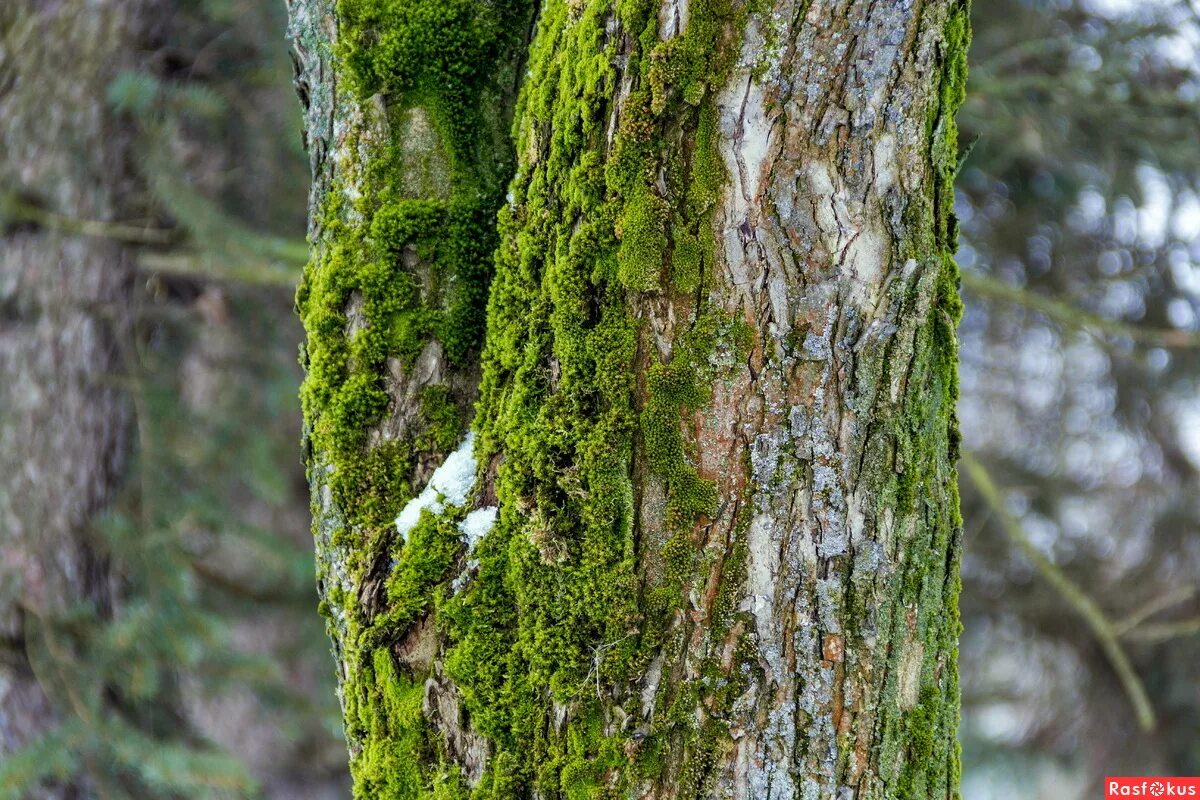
65 425
711 544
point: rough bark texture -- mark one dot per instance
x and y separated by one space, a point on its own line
64 421
407 112
716 409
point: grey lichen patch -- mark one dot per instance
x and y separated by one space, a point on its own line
425 170
716 414
833 232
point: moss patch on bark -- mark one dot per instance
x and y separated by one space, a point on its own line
548 639
401 264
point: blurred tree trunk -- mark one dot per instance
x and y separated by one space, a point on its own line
65 423
711 547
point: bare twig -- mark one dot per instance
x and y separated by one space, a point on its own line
1075 317
15 208
1162 603
198 265
1162 631
1080 602
598 653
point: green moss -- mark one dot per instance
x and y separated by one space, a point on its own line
553 614
643 236
443 418
683 386
556 622
952 91
922 741
920 735
404 258
440 58
708 171
445 56
686 261
421 566
387 709
686 65
363 281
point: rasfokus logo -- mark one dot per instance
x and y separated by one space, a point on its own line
1151 787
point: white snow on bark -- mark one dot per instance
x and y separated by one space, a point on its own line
477 523
449 485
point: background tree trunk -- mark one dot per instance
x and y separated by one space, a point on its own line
711 546
65 422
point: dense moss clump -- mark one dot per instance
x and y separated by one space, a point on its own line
555 617
643 239
548 629
406 251
713 344
402 261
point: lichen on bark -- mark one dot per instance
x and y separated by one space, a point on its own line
715 401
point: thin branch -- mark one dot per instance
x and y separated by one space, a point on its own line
238 255
198 265
1162 631
1161 603
236 586
19 210
1011 57
1075 597
1076 317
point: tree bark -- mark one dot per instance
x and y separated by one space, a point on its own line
64 306
711 545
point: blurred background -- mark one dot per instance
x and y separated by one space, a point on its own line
158 618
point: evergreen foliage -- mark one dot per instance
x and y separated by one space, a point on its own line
206 544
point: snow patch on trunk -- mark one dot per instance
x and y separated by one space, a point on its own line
450 485
477 523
